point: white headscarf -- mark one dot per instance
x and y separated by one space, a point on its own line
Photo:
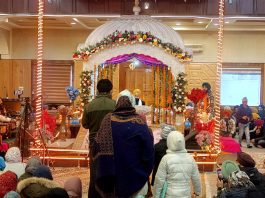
127 93
13 155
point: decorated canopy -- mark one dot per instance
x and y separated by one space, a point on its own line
142 35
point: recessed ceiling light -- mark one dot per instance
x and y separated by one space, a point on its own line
178 23
200 22
216 24
227 22
73 23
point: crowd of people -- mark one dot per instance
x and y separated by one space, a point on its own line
125 163
32 179
244 122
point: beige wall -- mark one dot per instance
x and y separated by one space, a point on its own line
5 43
246 47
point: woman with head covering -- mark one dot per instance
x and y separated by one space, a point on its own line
247 164
261 112
8 182
32 164
238 186
73 186
176 170
39 185
14 161
161 147
123 151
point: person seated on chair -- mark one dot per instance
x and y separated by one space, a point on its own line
138 101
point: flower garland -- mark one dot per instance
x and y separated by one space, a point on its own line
122 38
205 140
85 87
179 93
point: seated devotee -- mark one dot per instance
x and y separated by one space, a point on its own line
73 187
247 164
161 147
32 164
261 112
176 169
57 193
8 182
37 186
258 129
138 101
227 129
238 186
259 142
14 161
124 152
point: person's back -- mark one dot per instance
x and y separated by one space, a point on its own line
93 115
177 168
161 147
95 111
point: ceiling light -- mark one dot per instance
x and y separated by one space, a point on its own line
216 24
146 5
227 22
73 23
75 19
178 23
200 22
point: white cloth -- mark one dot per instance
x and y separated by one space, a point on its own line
177 168
18 168
4 119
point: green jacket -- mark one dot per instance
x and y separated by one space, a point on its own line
95 111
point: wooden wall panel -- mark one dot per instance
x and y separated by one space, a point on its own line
230 8
97 6
5 6
246 7
20 6
212 7
260 7
116 83
21 71
33 6
51 8
6 86
197 73
66 6
81 7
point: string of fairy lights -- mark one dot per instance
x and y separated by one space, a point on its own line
218 73
38 102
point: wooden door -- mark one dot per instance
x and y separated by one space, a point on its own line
140 78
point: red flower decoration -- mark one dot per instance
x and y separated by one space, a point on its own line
201 126
196 95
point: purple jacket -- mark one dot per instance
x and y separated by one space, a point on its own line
241 112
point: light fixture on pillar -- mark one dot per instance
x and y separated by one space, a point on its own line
219 73
146 5
38 101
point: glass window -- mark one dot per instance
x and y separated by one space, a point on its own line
238 84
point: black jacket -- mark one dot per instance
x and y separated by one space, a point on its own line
257 179
160 151
242 111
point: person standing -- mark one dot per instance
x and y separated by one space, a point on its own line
94 112
124 152
176 171
244 116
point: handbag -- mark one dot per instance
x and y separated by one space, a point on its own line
164 190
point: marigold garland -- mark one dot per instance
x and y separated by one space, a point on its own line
85 86
179 93
121 38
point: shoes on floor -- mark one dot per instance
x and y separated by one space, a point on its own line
249 146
